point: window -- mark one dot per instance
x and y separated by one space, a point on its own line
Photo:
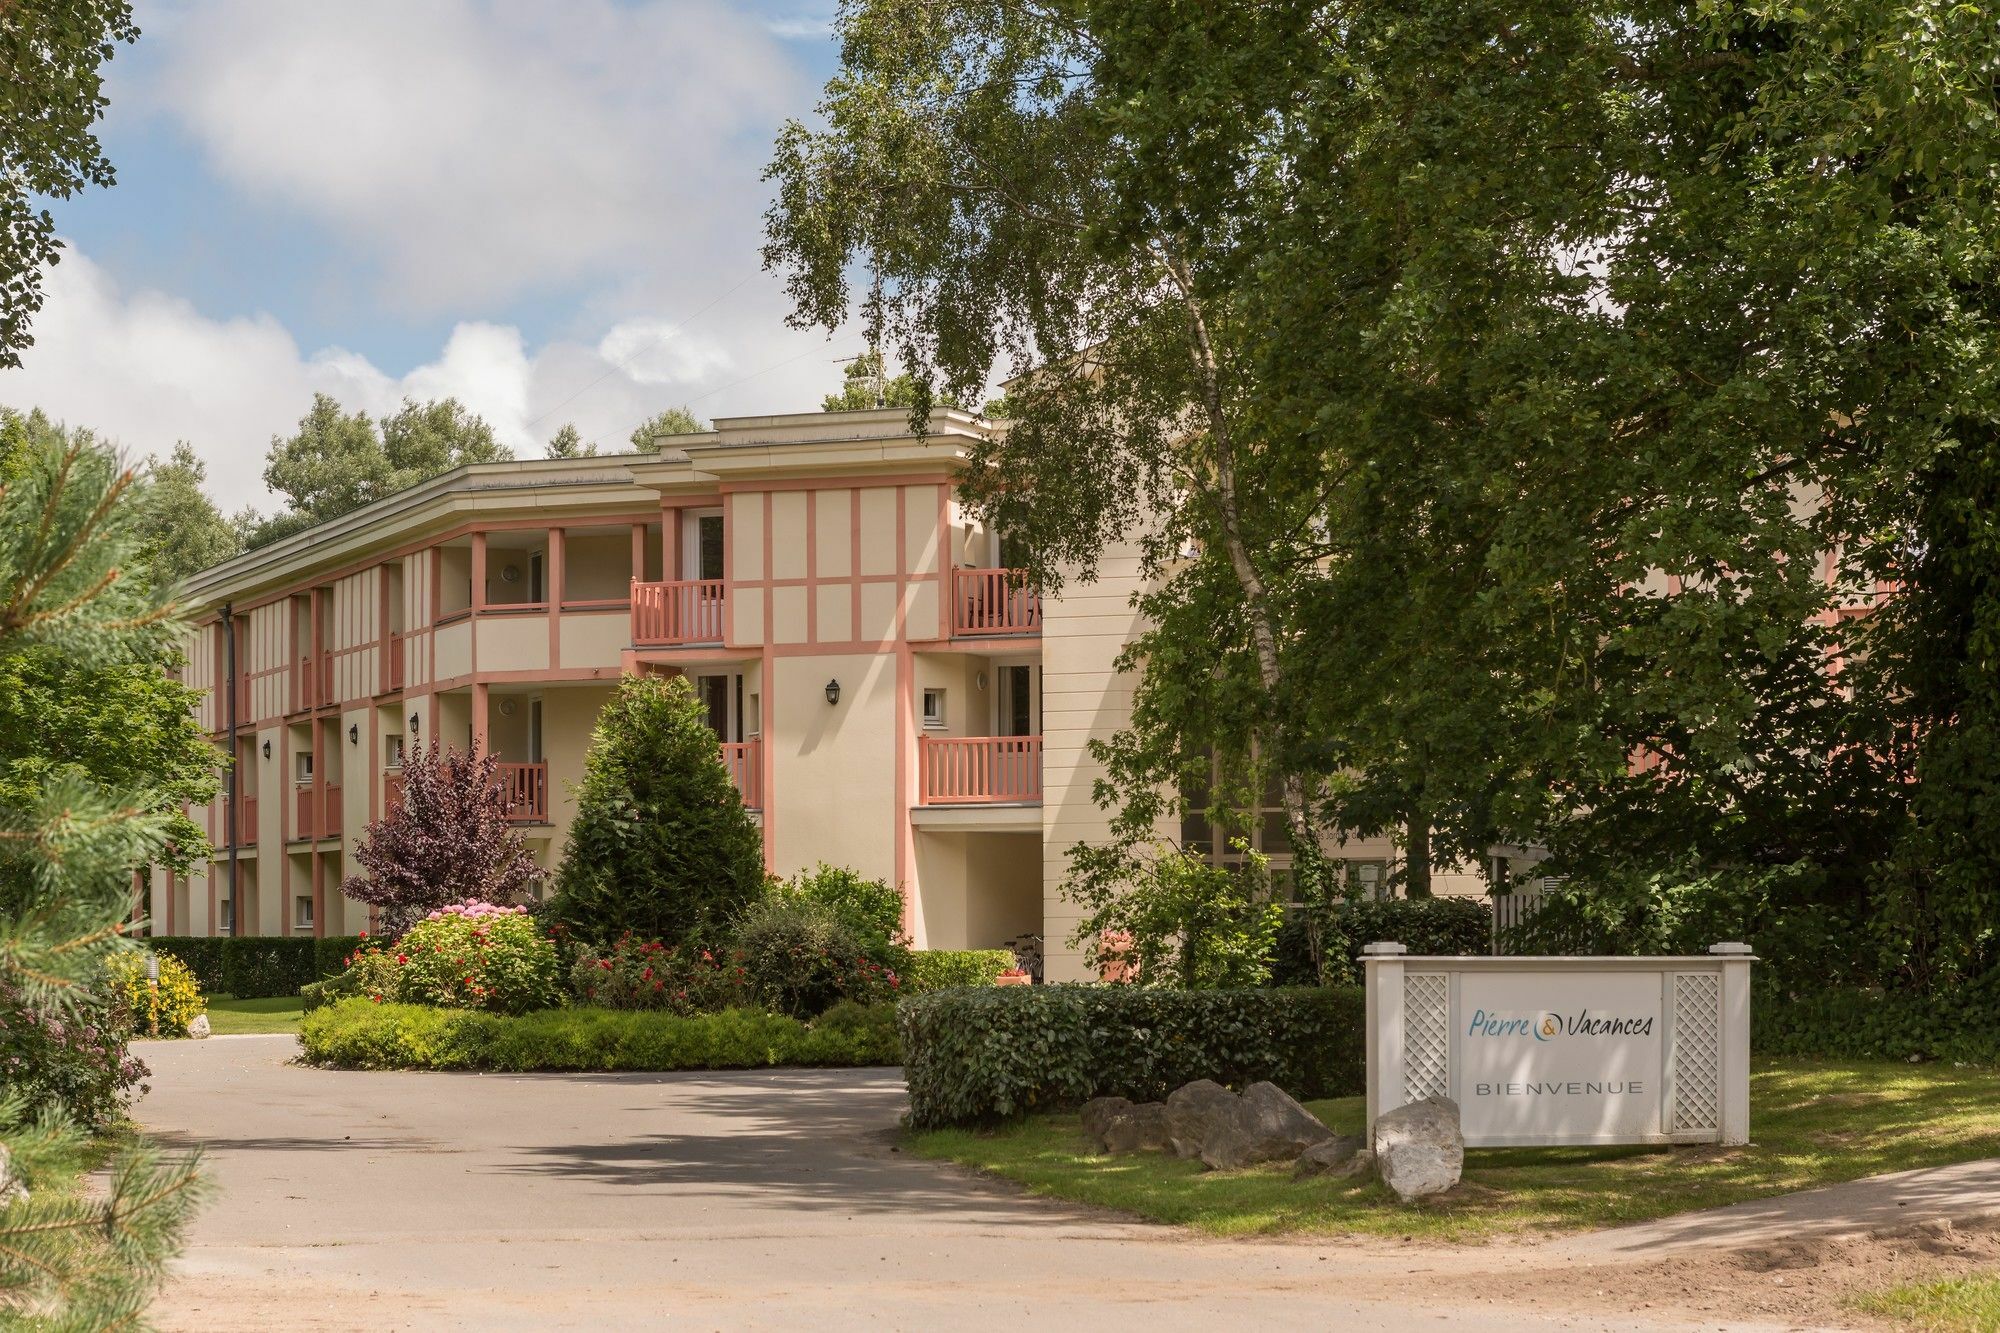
701 545
1369 878
303 913
392 749
304 762
934 709
753 716
225 912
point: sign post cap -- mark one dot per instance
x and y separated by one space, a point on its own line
1381 947
1730 947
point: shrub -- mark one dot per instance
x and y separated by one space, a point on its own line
661 847
201 953
355 1034
803 958
646 974
162 1010
935 969
1856 1023
334 954
74 1063
1170 918
373 975
447 841
1429 926
872 908
971 1056
478 956
255 967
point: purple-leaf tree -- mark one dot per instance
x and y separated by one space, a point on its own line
447 841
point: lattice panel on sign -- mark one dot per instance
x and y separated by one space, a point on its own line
1697 1051
1426 1037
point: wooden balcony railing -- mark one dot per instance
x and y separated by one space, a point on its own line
305 811
989 601
312 685
682 611
979 770
527 790
329 812
396 660
246 824
745 767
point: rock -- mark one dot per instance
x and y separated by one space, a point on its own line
199 1027
1329 1157
1419 1150
1140 1128
1097 1112
1263 1125
1191 1110
12 1191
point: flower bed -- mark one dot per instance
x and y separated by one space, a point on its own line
363 1034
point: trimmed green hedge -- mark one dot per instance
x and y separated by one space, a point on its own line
936 969
1431 926
1855 1024
358 1034
976 1055
255 967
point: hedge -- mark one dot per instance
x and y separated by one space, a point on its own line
359 1034
973 1056
254 967
1429 926
935 969
1849 1023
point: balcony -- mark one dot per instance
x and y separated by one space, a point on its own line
979 770
986 602
246 824
526 787
744 763
312 686
396 641
316 812
677 612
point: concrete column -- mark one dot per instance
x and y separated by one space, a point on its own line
1737 959
478 570
1382 984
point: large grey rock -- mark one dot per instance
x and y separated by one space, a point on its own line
1419 1149
1191 1111
1263 1125
199 1027
1330 1157
1097 1112
12 1191
1139 1128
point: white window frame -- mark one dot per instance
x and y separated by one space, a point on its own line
934 717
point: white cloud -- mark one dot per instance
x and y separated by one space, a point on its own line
148 369
472 151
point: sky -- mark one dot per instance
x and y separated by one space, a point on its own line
551 209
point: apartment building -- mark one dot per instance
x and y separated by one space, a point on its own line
884 694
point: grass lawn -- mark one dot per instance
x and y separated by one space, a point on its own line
1813 1122
232 1017
1957 1305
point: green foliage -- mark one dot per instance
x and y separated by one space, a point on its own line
1324 944
661 847
478 956
337 462
646 974
54 55
671 421
872 907
937 969
201 954
1170 918
375 975
271 964
356 1034
332 954
864 386
162 1009
73 1065
972 1056
803 956
185 532
569 443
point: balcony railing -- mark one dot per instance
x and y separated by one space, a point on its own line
312 687
246 824
681 611
744 763
979 770
396 660
526 787
992 601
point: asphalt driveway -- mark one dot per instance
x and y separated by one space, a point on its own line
726 1200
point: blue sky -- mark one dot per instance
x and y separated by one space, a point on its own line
551 210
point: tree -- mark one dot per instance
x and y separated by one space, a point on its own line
53 54
186 533
69 1257
672 421
446 841
569 443
337 462
864 386
1163 917
661 845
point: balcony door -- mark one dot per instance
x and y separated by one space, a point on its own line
701 544
1020 700
722 698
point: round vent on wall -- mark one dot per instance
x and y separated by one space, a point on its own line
511 574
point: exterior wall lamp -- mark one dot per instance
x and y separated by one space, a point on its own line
267 749
413 727
354 733
833 691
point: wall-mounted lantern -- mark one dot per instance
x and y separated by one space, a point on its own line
833 691
267 749
413 726
354 733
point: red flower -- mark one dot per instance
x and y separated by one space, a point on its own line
402 958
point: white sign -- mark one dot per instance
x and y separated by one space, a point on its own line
1565 1050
